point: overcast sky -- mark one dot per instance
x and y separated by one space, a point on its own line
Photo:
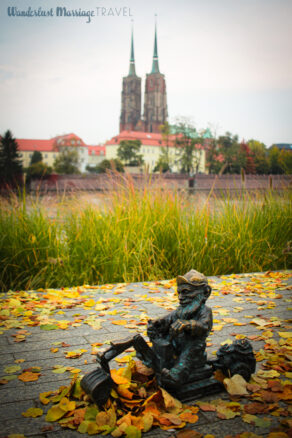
227 64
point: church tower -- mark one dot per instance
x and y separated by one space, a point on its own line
155 103
131 96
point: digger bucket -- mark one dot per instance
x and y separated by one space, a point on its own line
97 384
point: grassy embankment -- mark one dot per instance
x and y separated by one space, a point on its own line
142 235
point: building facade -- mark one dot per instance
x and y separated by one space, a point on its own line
155 101
51 149
152 145
131 96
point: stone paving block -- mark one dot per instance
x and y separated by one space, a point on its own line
14 410
17 396
6 359
41 354
221 428
27 392
27 426
37 345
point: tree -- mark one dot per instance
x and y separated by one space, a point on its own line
260 156
105 165
274 161
38 170
36 157
10 162
67 162
128 152
285 161
249 166
164 162
234 158
187 142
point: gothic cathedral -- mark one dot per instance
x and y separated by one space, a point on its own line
155 103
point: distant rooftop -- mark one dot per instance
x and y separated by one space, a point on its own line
286 146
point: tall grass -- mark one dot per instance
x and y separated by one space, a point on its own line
142 235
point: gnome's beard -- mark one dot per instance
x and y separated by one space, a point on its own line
190 303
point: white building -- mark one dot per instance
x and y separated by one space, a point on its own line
151 146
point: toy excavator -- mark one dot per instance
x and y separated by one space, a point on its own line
178 353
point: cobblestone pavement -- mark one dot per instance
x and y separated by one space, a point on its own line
30 338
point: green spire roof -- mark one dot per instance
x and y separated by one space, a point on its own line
132 70
155 66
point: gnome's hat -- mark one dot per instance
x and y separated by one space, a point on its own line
194 278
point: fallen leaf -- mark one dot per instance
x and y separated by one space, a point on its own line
33 412
29 376
236 385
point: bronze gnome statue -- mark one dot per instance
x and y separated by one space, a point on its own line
179 338
178 353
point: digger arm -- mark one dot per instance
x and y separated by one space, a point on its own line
117 347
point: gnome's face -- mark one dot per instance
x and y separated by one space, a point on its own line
187 294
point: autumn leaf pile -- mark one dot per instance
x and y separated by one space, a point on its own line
135 405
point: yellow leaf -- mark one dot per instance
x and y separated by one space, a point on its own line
74 354
55 413
236 385
67 405
169 400
124 392
118 379
15 435
218 327
119 322
147 421
268 374
100 307
92 428
285 334
89 303
43 397
132 432
33 412
101 418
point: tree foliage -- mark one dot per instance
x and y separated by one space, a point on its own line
128 152
36 157
187 141
10 162
115 165
260 157
38 170
162 164
67 162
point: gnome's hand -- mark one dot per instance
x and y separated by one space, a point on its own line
179 326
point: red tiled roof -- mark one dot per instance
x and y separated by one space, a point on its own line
48 145
146 138
96 150
36 145
65 140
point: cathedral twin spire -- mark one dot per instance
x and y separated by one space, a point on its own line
155 65
132 70
155 106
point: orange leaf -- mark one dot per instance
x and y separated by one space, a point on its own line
124 392
118 379
28 376
189 417
174 419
